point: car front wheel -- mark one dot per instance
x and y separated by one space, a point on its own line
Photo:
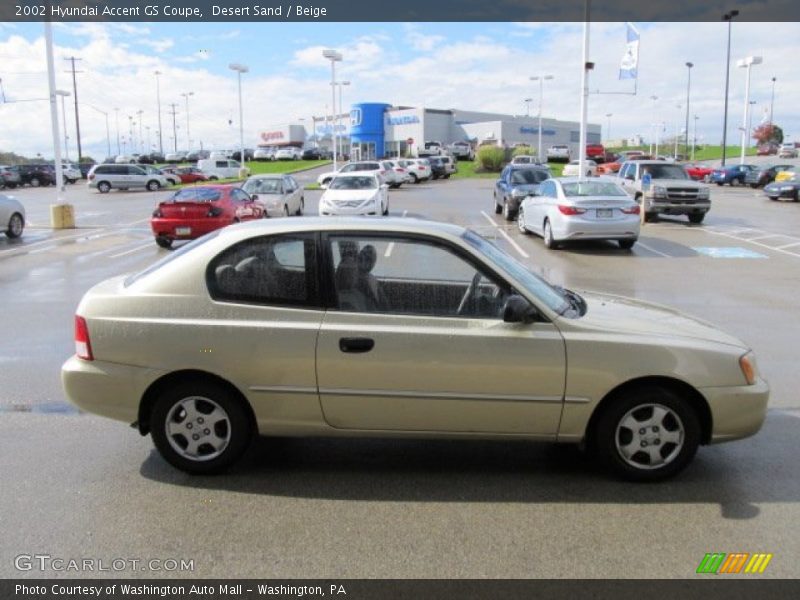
153 185
103 187
508 214
647 434
696 218
15 226
521 221
626 244
200 428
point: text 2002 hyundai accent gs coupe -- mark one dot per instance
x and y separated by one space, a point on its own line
398 327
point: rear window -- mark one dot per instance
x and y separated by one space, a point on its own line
170 257
523 176
592 188
196 195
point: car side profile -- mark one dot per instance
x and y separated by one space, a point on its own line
106 177
319 327
12 216
279 195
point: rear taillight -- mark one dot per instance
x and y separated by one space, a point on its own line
400 170
214 211
83 347
91 176
157 213
570 210
633 210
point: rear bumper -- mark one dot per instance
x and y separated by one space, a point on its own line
736 412
107 389
166 227
578 228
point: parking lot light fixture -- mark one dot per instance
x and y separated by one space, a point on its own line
608 127
341 141
689 66
541 79
333 56
64 94
729 17
527 102
747 63
240 68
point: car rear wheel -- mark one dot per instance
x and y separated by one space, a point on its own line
734 182
549 240
497 208
35 182
647 434
521 221
414 178
200 428
153 185
15 226
163 242
696 218
103 187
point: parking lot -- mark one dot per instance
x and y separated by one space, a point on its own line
86 486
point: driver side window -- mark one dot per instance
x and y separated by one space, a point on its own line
411 277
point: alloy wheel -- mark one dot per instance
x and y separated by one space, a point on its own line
649 436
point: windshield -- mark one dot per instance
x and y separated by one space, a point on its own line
262 186
196 195
354 183
665 171
534 284
529 176
592 188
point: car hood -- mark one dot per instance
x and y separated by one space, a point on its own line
334 195
626 315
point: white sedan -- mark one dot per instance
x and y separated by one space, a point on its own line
12 216
288 153
573 169
355 194
572 209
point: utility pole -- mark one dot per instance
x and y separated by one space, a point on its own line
158 100
174 127
141 138
72 60
116 113
772 100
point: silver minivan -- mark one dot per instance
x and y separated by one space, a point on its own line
122 177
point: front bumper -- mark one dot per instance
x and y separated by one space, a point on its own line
736 412
677 208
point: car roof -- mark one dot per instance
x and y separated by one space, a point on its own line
362 224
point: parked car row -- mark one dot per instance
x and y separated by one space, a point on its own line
270 153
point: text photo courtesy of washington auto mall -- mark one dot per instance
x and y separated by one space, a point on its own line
378 300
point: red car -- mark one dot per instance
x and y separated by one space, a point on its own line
596 152
187 174
192 212
698 172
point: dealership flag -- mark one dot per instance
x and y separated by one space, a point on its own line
629 67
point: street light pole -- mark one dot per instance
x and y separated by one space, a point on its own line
63 95
677 133
158 101
655 125
694 137
541 79
772 101
689 66
341 141
188 137
527 102
747 63
116 112
334 57
608 128
240 68
141 137
750 121
729 17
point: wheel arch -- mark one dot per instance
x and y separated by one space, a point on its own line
683 389
156 388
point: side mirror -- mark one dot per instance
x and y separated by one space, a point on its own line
253 197
519 310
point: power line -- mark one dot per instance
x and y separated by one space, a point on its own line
72 60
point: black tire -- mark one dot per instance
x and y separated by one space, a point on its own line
153 185
11 186
734 182
15 226
103 187
754 185
163 242
414 178
300 208
719 183
549 241
609 433
508 214
775 198
447 176
237 427
497 208
696 218
386 210
35 182
213 178
650 217
285 210
626 244
521 222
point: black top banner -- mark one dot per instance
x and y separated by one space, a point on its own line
399 11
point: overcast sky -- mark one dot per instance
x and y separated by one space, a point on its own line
441 65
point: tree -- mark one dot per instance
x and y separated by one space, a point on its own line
768 132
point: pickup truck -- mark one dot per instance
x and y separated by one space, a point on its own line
558 153
664 188
462 150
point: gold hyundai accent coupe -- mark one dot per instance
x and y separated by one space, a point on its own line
398 327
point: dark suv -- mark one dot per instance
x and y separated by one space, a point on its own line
515 183
36 175
438 168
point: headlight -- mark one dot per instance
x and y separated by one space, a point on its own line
703 193
519 193
747 363
658 191
786 188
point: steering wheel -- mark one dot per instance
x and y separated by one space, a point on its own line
469 295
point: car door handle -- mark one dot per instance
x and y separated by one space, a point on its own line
356 345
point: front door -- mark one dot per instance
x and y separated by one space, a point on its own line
418 343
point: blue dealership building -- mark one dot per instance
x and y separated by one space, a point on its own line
378 130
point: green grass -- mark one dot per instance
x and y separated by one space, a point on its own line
702 152
466 170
